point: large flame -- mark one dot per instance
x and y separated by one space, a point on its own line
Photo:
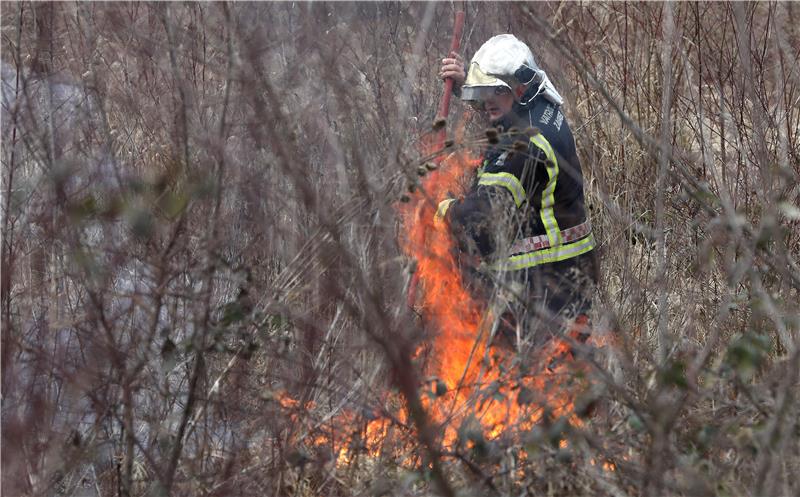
474 391
471 382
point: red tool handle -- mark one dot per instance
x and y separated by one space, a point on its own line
444 105
444 110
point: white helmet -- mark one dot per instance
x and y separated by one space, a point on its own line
504 62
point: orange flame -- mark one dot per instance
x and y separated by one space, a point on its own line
475 389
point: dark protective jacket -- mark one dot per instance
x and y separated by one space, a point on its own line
524 216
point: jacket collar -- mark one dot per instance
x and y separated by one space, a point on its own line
512 119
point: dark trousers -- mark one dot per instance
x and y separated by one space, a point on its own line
548 300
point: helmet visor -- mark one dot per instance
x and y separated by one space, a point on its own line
482 93
480 86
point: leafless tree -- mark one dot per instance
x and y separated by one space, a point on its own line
204 290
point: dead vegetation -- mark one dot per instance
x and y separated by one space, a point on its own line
203 291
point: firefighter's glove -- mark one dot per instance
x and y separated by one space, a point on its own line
441 211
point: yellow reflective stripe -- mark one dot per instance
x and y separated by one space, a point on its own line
441 210
555 254
548 194
507 180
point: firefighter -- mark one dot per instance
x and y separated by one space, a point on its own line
523 222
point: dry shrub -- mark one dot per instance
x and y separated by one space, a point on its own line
201 275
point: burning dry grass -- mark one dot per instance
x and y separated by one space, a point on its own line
475 392
234 321
470 379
